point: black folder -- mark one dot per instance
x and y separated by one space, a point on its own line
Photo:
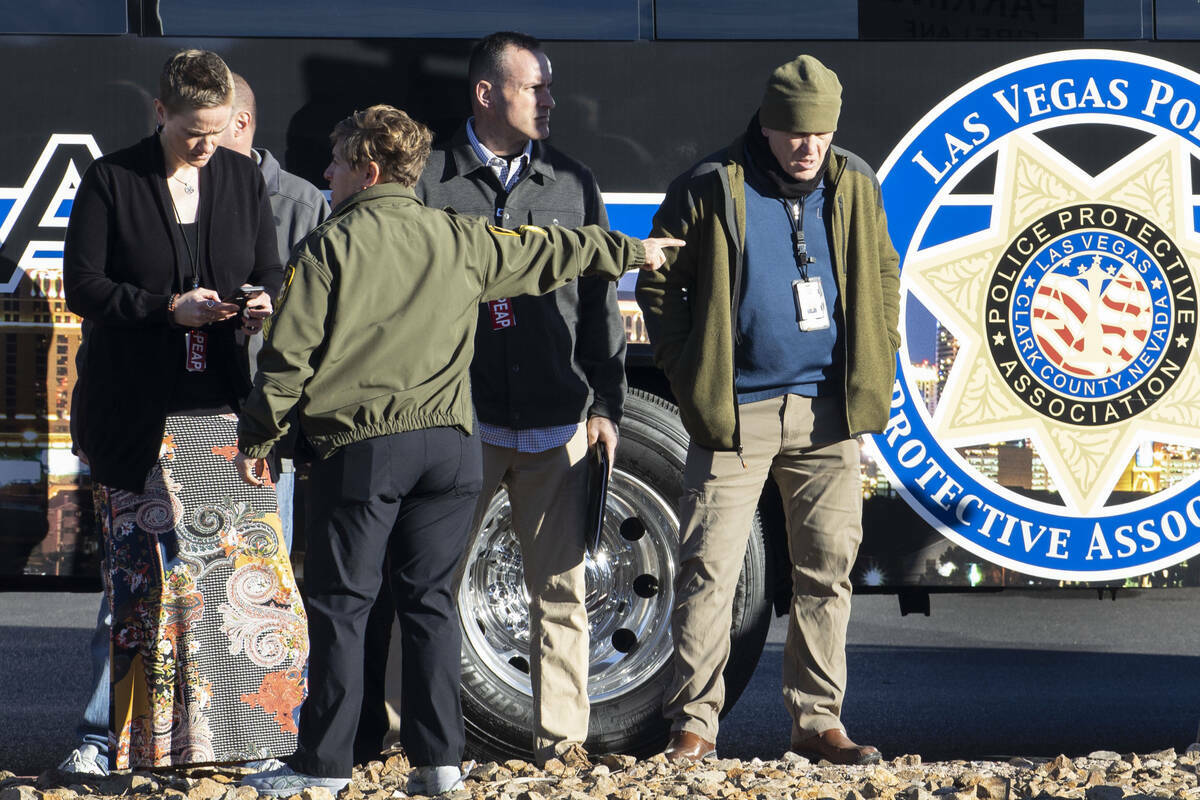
597 495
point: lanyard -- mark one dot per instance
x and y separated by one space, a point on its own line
192 256
795 209
195 341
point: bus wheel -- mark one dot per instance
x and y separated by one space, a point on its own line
630 582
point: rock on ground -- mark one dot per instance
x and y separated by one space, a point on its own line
1101 775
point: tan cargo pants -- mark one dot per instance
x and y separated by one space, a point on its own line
548 493
803 443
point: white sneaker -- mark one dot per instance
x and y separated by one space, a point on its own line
285 782
433 781
85 760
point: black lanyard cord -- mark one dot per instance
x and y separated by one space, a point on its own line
795 215
193 257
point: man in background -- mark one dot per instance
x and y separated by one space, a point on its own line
299 207
548 378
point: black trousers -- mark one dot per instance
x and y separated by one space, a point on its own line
374 723
407 498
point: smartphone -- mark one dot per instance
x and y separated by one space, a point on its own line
245 294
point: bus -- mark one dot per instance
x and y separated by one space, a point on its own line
1038 162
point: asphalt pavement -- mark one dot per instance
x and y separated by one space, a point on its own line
999 675
989 675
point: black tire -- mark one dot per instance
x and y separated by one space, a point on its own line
626 691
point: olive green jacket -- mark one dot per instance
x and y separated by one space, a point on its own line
374 327
691 304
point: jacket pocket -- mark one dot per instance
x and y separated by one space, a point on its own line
566 217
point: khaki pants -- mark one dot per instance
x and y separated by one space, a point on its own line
802 442
548 493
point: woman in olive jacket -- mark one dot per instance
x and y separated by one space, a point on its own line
373 342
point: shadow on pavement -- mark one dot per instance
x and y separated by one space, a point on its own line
972 704
941 703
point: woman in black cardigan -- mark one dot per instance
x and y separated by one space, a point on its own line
209 635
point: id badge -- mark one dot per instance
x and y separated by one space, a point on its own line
811 311
502 314
197 351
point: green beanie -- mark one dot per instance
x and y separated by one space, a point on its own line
802 96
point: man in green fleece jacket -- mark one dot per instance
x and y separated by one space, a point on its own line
777 329
372 341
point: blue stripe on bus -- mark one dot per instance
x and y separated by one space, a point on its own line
632 219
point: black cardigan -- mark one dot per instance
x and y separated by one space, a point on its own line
122 261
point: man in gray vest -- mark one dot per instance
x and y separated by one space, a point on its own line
548 376
298 207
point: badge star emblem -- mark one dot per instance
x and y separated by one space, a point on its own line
978 405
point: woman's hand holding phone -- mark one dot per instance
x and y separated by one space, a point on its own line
256 307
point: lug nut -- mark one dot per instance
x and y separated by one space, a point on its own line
645 586
632 529
624 640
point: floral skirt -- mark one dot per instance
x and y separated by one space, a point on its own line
209 636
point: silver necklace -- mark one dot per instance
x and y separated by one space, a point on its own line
187 187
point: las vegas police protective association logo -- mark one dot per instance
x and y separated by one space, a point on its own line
1070 296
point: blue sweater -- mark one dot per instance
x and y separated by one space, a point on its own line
773 356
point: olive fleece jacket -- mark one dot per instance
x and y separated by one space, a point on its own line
691 304
375 325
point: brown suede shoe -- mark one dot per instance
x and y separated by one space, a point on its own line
835 747
688 746
575 756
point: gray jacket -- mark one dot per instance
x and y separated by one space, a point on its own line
298 205
564 360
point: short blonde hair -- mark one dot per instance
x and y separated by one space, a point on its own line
195 79
389 137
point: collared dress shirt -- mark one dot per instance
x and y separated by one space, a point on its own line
527 440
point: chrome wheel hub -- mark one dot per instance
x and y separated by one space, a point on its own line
630 587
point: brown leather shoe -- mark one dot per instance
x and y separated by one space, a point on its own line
835 747
688 746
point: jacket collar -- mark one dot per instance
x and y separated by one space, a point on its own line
150 150
837 166
270 169
378 191
735 154
467 162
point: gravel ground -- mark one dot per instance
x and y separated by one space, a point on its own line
1101 775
